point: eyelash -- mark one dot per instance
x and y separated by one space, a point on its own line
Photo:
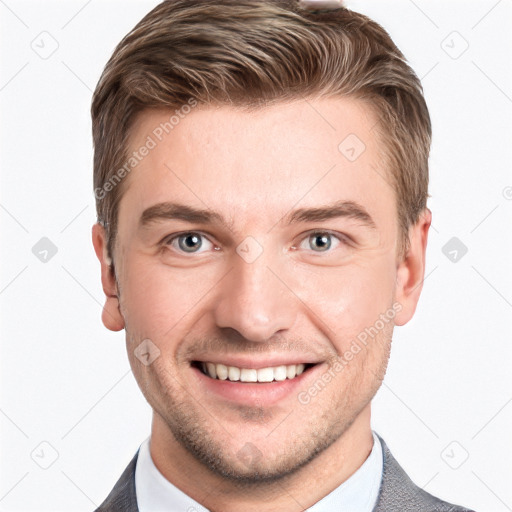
343 239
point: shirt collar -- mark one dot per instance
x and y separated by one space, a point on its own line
155 493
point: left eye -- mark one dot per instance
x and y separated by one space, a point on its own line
322 241
190 242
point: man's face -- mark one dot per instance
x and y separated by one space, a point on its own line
253 286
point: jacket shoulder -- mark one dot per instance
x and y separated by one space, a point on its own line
122 497
398 492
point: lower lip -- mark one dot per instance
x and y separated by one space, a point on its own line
255 394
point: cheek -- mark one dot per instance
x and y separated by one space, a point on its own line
350 299
157 298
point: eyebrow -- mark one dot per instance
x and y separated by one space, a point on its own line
347 209
177 211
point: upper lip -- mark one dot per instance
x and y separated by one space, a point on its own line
247 362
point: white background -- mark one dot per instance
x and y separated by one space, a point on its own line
66 380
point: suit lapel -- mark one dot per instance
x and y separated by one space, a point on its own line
123 496
399 492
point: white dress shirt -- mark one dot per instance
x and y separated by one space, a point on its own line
357 494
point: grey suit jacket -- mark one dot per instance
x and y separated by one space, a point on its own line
397 493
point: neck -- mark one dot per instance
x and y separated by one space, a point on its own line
295 492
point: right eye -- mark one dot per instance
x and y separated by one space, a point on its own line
188 242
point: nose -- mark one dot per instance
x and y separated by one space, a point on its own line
254 300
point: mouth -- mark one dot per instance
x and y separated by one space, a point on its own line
244 382
224 372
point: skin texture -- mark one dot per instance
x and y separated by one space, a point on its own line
295 300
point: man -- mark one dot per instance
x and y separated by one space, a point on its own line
261 177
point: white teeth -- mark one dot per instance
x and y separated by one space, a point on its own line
248 375
265 375
232 373
291 371
222 372
211 370
280 373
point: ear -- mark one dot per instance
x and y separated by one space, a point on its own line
111 316
411 270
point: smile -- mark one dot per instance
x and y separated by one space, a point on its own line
235 374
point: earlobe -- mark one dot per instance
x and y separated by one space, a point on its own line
111 316
411 270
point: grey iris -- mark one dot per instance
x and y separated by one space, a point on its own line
325 241
190 242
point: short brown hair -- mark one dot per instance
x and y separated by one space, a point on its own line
254 53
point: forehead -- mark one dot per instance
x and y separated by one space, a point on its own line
254 166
